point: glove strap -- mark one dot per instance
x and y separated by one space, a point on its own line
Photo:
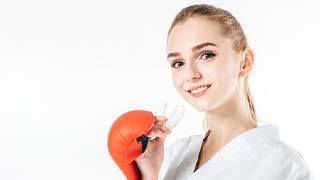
144 142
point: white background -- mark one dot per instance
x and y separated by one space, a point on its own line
68 68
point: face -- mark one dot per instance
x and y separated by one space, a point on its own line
200 55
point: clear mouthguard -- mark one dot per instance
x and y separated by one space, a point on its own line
174 118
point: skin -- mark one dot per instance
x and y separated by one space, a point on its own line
150 161
224 104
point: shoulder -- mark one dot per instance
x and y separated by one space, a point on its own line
285 159
283 151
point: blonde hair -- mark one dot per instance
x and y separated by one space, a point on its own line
230 27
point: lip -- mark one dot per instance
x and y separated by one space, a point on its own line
195 87
199 94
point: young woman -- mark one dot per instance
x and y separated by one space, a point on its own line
211 61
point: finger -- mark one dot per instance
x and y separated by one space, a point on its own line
165 129
160 120
161 127
156 133
156 126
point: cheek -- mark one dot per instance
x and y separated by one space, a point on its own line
176 80
224 69
222 75
227 78
212 72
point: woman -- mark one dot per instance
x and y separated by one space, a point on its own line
211 60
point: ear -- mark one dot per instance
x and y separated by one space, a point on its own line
246 63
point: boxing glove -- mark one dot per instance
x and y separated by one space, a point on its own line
127 140
127 136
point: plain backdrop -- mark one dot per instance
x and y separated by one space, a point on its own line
69 68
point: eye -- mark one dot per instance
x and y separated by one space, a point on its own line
173 65
207 55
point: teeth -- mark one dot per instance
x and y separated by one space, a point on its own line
199 89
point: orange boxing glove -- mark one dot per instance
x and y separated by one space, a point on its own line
127 140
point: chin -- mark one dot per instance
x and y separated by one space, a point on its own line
201 106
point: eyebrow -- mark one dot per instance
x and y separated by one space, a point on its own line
195 48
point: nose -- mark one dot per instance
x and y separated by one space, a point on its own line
192 72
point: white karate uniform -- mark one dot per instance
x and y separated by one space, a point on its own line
257 154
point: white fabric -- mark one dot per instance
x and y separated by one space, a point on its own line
257 154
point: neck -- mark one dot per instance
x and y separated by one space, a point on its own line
229 119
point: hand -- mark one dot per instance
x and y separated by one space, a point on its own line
150 161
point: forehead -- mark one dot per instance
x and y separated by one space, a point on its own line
194 31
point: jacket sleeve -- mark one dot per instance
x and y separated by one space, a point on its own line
302 170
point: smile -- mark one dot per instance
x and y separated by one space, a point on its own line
199 91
